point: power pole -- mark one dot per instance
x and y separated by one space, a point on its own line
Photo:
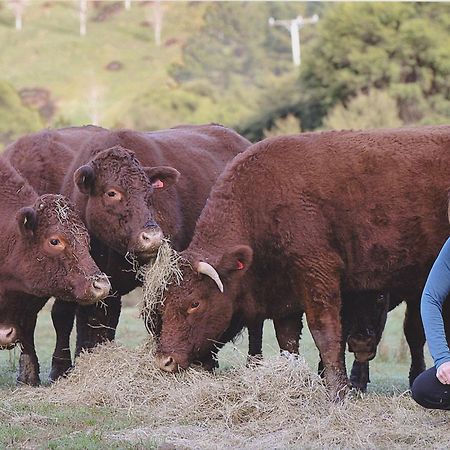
293 26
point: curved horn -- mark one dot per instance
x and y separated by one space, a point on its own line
208 269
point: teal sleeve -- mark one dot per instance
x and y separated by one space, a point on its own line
434 294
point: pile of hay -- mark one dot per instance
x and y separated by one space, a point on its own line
279 403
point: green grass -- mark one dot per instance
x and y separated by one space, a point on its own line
45 425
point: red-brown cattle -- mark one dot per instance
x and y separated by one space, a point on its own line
44 251
296 220
125 192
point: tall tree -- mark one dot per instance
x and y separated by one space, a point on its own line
399 47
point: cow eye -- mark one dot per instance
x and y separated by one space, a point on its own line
193 306
55 245
113 195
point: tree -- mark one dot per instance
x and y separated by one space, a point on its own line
284 125
236 40
18 7
398 47
15 119
82 6
373 110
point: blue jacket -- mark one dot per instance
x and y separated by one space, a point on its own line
434 294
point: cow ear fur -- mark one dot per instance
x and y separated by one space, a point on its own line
237 260
27 221
162 177
84 178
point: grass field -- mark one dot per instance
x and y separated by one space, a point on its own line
40 423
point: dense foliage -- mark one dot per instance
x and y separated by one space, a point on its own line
222 62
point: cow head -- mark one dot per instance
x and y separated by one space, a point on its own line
50 254
119 210
197 313
364 318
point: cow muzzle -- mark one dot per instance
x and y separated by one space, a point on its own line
363 346
167 363
98 288
8 337
147 244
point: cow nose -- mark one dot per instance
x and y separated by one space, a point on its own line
100 287
167 363
8 336
149 241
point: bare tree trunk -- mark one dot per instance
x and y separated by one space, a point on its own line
18 7
158 16
18 19
127 4
83 16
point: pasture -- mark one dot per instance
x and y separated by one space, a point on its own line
116 398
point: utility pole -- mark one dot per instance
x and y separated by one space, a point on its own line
293 26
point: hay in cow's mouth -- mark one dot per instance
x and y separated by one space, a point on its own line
156 277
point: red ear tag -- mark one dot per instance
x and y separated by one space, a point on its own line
158 184
240 265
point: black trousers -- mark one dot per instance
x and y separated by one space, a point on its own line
429 392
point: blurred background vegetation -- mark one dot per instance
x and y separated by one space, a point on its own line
158 64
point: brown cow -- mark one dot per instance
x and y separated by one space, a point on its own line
295 221
44 251
125 192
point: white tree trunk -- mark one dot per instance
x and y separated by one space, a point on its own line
127 4
18 19
158 15
18 8
83 16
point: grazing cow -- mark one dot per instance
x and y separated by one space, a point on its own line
125 190
44 251
296 220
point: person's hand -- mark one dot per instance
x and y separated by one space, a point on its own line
443 373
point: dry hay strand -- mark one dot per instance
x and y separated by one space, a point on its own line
156 278
279 403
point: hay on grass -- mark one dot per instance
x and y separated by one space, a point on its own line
279 403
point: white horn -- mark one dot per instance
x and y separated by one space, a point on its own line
208 269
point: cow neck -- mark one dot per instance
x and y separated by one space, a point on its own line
220 227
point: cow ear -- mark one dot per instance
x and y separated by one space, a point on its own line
84 178
27 220
237 260
162 177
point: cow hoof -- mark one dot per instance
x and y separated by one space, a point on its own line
253 360
414 373
360 386
59 370
30 379
28 370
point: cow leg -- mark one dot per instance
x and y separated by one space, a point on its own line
415 336
323 314
359 376
288 331
28 362
63 315
97 323
255 334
